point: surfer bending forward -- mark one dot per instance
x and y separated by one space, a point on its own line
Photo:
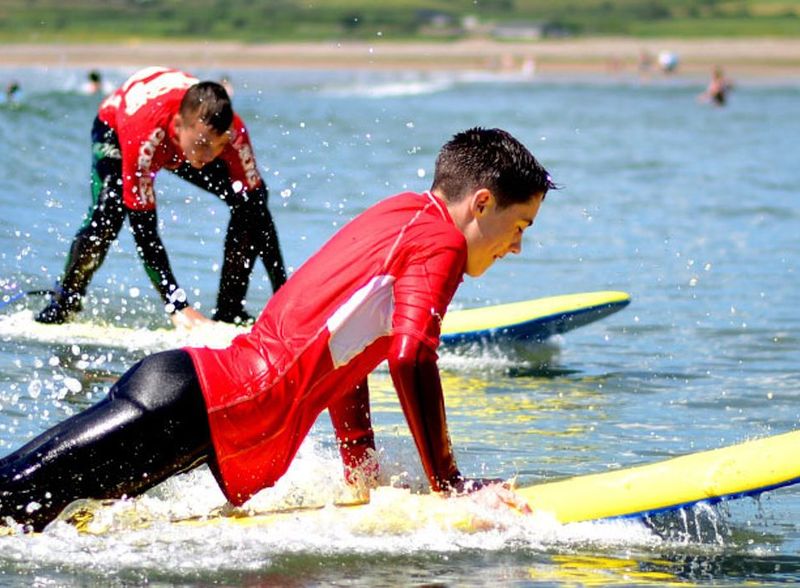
164 118
376 291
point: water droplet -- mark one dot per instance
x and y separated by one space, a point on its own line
35 388
73 385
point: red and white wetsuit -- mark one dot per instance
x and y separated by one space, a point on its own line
387 276
141 112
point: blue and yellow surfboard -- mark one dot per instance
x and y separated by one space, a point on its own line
530 320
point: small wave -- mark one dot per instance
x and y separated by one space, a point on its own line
506 357
391 89
22 326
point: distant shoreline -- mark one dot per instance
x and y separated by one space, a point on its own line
742 58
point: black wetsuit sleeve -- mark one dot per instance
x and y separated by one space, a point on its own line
144 225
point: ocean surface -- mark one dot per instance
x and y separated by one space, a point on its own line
691 209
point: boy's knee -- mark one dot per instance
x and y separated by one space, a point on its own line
156 382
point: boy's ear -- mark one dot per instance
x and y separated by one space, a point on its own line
481 201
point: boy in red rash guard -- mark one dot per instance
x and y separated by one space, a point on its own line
164 118
377 290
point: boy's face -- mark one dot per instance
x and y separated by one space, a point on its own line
200 143
495 232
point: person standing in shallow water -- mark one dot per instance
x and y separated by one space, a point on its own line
165 118
377 290
718 88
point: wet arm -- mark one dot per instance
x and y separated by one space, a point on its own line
416 379
350 416
144 225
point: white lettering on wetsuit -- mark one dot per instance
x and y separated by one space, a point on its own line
147 150
138 93
249 165
110 151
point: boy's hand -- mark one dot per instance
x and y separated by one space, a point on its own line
189 318
493 493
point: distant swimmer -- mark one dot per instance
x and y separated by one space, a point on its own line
165 118
95 85
718 88
375 292
12 91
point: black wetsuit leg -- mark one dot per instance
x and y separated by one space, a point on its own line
152 425
99 229
251 233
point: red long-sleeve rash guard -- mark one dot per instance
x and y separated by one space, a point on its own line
377 290
141 112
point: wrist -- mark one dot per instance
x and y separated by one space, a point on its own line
176 301
453 483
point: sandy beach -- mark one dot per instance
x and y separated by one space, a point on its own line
743 58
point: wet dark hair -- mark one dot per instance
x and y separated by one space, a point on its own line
209 103
492 159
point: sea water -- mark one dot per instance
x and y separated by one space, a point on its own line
691 209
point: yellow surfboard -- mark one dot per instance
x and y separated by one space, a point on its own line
746 469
